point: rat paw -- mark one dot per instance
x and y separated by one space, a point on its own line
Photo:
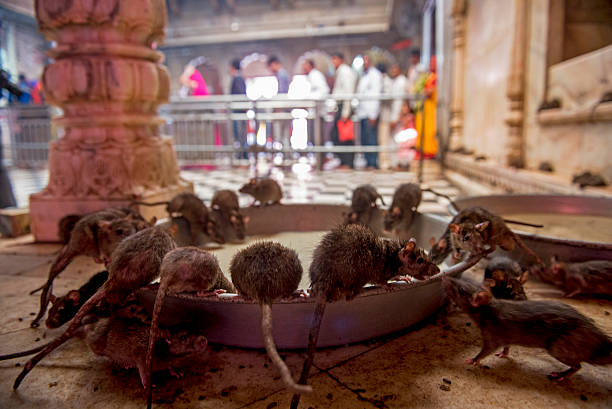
220 291
471 361
175 374
501 355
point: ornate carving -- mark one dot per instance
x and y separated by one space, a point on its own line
516 89
108 82
459 11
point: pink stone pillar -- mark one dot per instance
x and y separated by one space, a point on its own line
109 82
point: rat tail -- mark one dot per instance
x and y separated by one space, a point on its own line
23 353
266 329
451 202
159 299
70 331
62 260
313 338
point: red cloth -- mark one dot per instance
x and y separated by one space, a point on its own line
201 88
346 131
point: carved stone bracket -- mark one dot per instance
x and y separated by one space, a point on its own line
108 81
459 11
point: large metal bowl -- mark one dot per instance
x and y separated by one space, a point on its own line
236 322
545 246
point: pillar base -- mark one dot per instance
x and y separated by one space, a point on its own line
46 212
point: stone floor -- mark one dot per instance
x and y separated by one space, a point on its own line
419 367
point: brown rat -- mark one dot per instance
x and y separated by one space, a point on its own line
265 191
64 308
505 278
475 229
185 269
406 200
363 205
66 225
566 334
125 342
95 235
589 277
346 259
225 204
265 272
193 209
134 263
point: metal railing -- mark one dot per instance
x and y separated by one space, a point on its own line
202 128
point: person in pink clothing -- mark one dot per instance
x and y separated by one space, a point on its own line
192 79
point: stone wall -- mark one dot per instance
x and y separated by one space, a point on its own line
487 64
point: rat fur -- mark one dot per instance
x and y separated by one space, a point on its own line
566 334
265 191
267 271
346 259
134 263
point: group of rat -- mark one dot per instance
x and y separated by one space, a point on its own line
108 314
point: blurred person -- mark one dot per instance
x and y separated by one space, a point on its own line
192 79
426 86
238 87
26 96
7 198
36 92
281 129
346 79
404 138
368 110
318 83
280 73
414 70
385 116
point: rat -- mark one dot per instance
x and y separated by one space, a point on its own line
226 203
95 235
476 229
346 259
64 308
183 270
66 225
193 209
505 278
134 263
406 200
265 272
566 334
126 342
363 202
265 191
589 277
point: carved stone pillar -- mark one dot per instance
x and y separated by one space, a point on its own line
108 80
456 122
516 89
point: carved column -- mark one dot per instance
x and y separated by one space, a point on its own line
456 122
516 89
108 80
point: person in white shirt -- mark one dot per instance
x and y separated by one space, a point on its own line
370 84
318 83
414 71
385 115
346 79
390 113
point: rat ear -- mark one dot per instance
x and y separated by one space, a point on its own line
523 278
74 296
442 244
233 219
246 219
353 216
173 230
411 245
482 226
481 298
153 221
129 217
553 259
488 283
253 181
432 241
454 228
104 225
396 211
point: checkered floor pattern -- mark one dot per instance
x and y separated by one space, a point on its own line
332 187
